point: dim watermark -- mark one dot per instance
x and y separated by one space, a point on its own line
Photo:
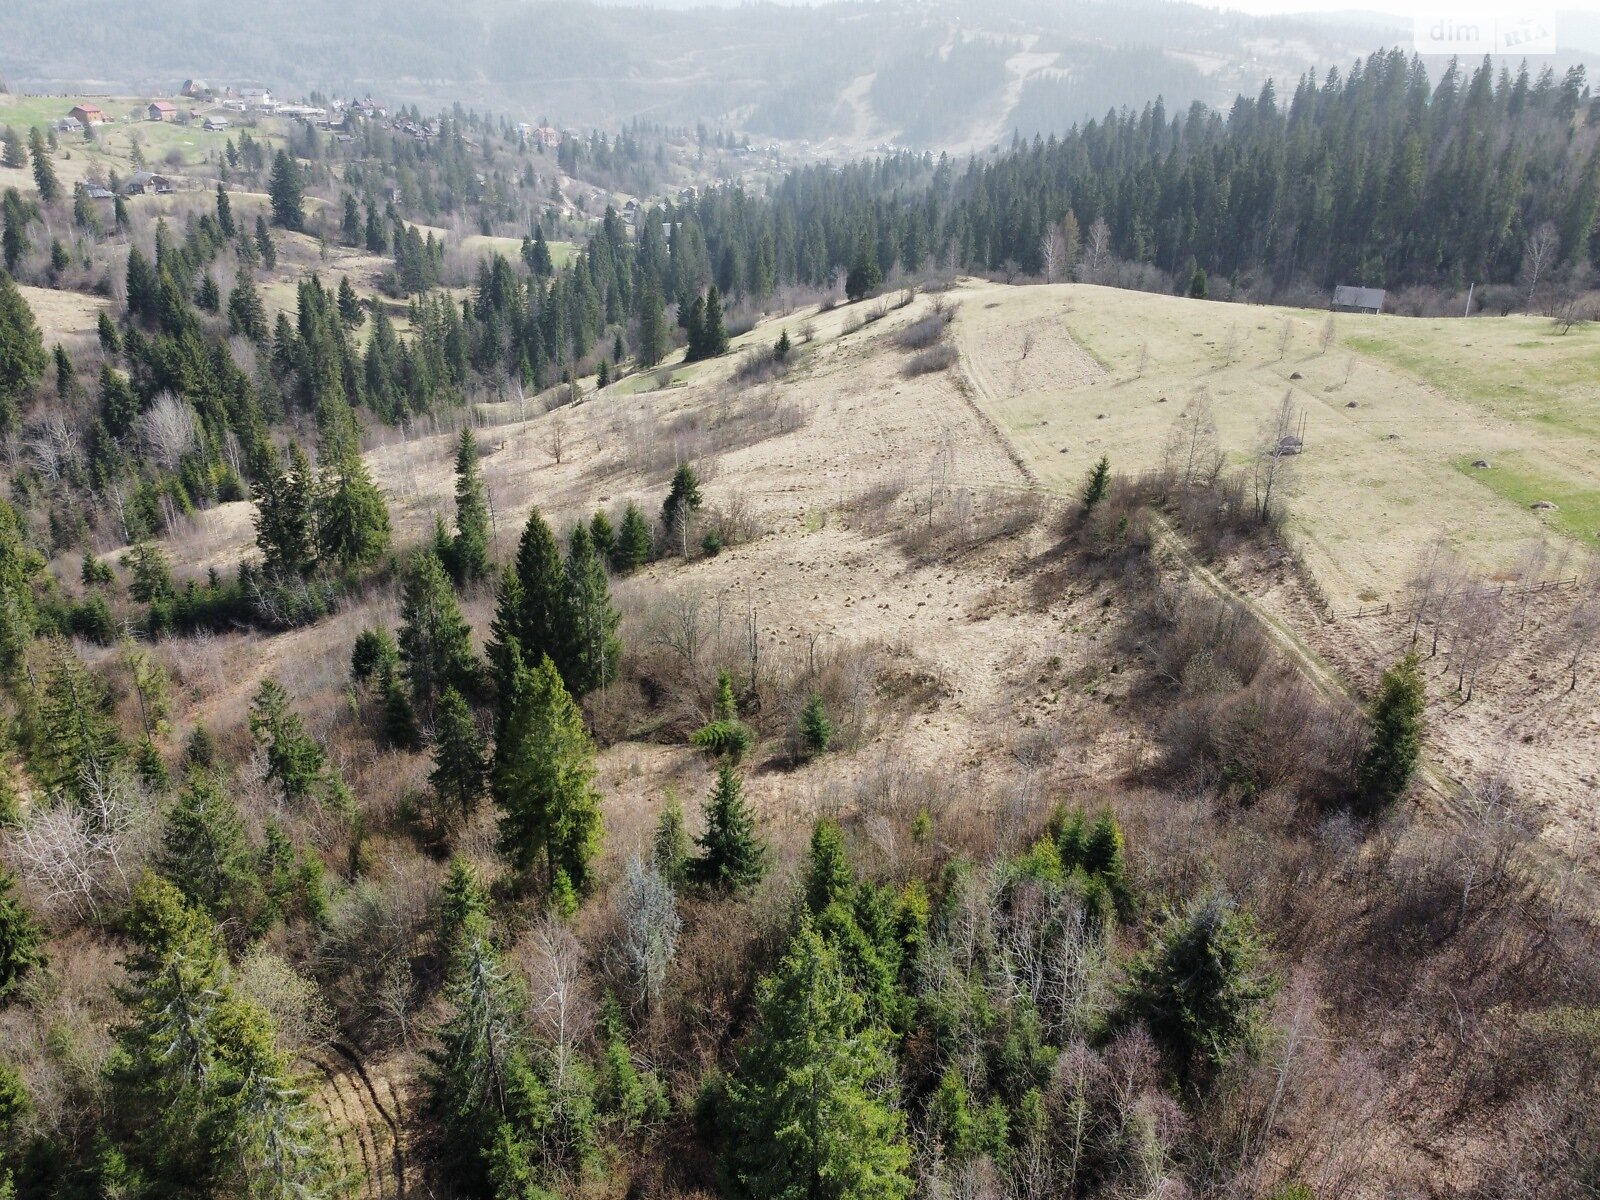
1469 31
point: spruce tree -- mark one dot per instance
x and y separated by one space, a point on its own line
20 565
591 648
469 552
695 327
1099 482
543 779
12 153
350 310
246 313
865 276
44 171
287 193
286 518
633 545
603 536
21 939
484 1090
22 354
203 1101
264 245
352 518
1394 740
457 778
683 500
812 1103
435 639
205 853
669 848
376 236
351 225
106 328
731 856
653 334
531 606
295 760
1199 985
78 746
225 213
18 215
816 730
84 214
716 333
829 877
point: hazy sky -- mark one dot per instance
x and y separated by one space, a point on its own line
1401 8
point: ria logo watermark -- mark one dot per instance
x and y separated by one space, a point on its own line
1465 32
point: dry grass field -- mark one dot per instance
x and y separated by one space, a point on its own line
1395 409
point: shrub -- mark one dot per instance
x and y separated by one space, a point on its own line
934 359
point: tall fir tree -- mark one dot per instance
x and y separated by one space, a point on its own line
21 939
204 1102
287 192
22 354
732 857
457 778
543 779
435 639
204 852
352 518
653 334
469 551
285 517
44 171
591 649
1394 739
812 1103
531 605
633 545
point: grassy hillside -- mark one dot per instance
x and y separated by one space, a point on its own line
1395 412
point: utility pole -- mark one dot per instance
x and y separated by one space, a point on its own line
1470 286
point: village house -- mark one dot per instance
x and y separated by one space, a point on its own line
147 183
162 110
196 89
69 125
87 114
1349 299
216 124
257 97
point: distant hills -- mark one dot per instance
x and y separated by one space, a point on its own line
951 74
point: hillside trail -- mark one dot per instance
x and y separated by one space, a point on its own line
1444 793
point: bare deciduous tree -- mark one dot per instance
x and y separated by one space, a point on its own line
561 1008
555 438
647 914
1194 449
167 430
1097 253
1538 255
54 449
1275 456
78 856
1329 332
1052 250
1475 636
1581 630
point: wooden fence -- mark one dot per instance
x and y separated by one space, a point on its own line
1500 589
